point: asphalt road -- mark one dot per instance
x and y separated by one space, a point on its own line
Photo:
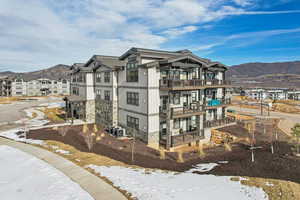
14 111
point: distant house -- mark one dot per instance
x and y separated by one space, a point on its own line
170 98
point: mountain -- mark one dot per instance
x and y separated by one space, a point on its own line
280 74
56 72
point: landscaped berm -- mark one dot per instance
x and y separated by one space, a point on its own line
282 164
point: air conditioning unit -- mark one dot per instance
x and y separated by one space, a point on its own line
121 132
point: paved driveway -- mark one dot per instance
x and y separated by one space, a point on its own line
13 112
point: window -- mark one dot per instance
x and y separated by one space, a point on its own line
175 99
106 77
98 77
75 91
194 96
133 98
107 95
132 73
98 92
132 122
176 123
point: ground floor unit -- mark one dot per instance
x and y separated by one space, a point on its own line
171 127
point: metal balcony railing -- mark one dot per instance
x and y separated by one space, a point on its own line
186 137
217 102
194 83
219 122
191 109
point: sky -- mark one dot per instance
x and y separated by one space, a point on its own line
35 34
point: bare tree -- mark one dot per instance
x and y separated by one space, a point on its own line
63 130
180 157
162 153
200 150
95 128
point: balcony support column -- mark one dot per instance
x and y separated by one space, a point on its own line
170 125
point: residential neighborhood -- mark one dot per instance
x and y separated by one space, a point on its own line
149 100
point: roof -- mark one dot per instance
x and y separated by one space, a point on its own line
153 51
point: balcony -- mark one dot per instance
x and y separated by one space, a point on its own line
184 138
191 84
185 111
217 102
219 122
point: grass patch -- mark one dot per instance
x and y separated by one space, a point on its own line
53 114
276 189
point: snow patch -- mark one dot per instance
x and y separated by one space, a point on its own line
19 135
25 177
157 185
203 167
63 152
53 105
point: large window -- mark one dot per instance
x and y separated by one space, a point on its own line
107 95
98 77
133 98
132 72
132 122
176 124
106 77
98 93
175 98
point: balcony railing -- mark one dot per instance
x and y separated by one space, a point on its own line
190 84
183 111
217 102
219 122
191 109
186 137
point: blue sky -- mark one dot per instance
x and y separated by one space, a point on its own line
42 33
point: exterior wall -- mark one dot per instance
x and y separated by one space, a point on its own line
18 88
33 88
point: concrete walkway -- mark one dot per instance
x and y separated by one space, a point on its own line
96 187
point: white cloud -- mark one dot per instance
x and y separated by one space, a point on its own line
42 33
175 32
243 3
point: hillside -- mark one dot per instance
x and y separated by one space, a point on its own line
259 69
56 72
281 74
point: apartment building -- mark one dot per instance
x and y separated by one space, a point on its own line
5 86
170 98
38 87
273 93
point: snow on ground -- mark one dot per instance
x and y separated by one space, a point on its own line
157 185
63 152
17 134
54 105
203 167
28 178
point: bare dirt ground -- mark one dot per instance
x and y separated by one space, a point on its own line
280 165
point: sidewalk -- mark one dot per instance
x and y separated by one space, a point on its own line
96 187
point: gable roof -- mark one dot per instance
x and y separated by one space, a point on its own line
135 50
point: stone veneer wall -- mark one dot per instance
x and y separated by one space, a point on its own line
90 111
153 139
102 107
